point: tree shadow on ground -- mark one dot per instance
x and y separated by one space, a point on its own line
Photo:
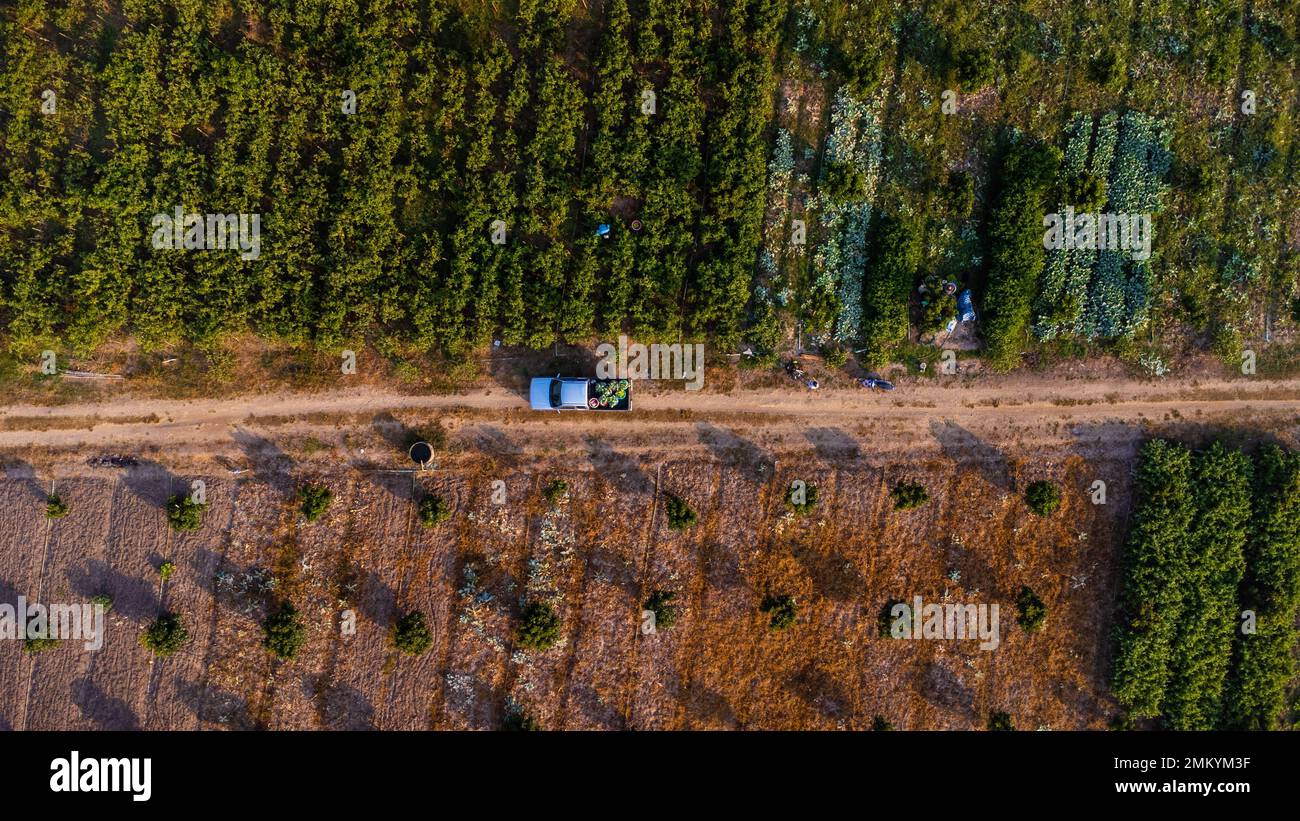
495 442
8 593
215 706
944 688
965 448
399 484
603 563
833 445
133 597
377 600
709 709
105 711
721 567
831 572
400 436
753 462
153 483
595 711
20 472
821 692
339 706
269 464
618 469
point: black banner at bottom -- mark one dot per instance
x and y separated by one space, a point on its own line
139 773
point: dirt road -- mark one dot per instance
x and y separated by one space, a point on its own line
1034 411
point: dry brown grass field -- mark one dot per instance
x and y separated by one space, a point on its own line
597 555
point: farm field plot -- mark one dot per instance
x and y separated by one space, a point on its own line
595 552
424 582
865 181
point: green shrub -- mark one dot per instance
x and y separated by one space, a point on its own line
433 511
165 570
1000 721
411 635
1030 610
40 644
834 355
1105 68
885 619
975 68
1085 191
783 609
184 514
1043 497
881 724
907 495
936 307
55 507
861 62
314 500
659 603
843 182
285 633
680 515
102 600
165 635
519 721
1195 180
808 502
959 195
556 491
1204 537
539 627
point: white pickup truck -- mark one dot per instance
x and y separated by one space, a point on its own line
559 393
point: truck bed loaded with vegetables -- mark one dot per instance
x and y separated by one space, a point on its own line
579 393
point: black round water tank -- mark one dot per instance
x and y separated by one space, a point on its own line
421 453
